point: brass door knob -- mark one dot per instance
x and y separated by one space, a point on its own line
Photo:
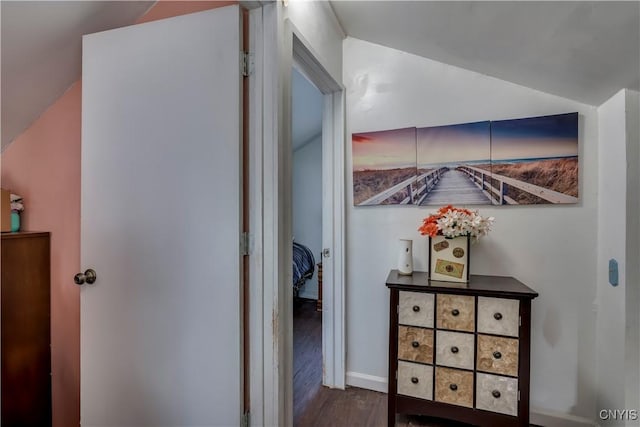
88 276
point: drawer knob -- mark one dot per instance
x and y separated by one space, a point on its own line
453 387
497 354
415 344
454 349
497 316
496 394
416 308
414 380
455 312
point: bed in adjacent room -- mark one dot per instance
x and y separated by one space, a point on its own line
303 266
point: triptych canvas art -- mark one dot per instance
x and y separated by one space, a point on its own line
522 161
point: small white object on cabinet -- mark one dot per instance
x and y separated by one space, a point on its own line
405 257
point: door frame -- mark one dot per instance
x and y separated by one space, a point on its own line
274 43
333 344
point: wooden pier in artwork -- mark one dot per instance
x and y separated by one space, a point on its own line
468 184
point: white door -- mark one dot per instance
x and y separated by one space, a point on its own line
161 209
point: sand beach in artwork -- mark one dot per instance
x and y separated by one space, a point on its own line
542 151
559 175
381 161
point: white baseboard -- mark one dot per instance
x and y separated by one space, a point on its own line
557 419
538 416
370 382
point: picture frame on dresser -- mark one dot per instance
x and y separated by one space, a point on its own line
460 351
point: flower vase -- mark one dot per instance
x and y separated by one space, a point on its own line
405 257
449 258
15 221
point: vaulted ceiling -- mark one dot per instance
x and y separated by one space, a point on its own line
42 51
306 110
584 51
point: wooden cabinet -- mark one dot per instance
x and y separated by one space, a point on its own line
460 350
25 328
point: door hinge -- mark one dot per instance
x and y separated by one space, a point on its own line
245 243
519 320
246 63
518 395
245 420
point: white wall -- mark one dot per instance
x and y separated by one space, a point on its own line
632 301
319 27
552 249
618 370
307 204
611 237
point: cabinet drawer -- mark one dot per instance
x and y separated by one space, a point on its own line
415 344
454 386
498 355
455 349
499 316
415 380
416 309
497 394
456 312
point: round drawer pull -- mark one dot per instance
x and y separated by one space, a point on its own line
497 354
497 316
455 312
453 387
454 349
415 344
496 394
416 308
414 380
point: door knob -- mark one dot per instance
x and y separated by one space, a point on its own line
88 276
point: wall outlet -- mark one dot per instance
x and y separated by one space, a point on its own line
613 272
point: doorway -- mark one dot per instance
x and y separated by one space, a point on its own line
333 352
306 142
271 316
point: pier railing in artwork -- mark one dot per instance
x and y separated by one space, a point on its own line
424 183
485 181
494 186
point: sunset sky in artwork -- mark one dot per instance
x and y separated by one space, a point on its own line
535 137
453 143
384 150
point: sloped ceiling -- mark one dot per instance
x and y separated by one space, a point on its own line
306 110
585 51
41 51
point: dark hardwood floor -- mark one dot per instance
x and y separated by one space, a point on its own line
315 405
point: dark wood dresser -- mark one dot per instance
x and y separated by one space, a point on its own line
25 328
460 351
